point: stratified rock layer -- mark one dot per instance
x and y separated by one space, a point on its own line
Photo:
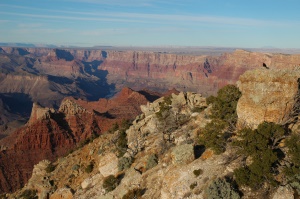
267 95
50 133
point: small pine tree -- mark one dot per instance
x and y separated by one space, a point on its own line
220 188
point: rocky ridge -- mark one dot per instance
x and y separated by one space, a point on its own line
180 168
51 133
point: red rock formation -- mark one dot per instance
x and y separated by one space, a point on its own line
50 134
47 135
204 74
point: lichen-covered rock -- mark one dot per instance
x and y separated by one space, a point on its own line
40 179
267 95
108 165
285 192
91 181
63 193
183 154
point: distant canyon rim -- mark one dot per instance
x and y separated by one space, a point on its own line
40 79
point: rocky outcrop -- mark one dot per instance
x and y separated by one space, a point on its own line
63 193
40 179
183 154
267 95
173 174
39 113
52 133
109 165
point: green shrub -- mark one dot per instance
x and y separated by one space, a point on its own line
110 183
219 188
75 167
214 135
198 109
292 172
29 194
152 161
125 124
293 145
223 114
198 172
124 163
121 143
224 105
134 194
50 168
193 185
262 145
89 168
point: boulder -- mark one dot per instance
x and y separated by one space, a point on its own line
267 95
183 154
63 193
285 192
91 181
108 165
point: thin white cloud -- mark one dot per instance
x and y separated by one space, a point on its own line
4 21
122 31
41 30
132 3
155 18
71 17
30 25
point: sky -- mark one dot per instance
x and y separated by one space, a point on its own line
215 23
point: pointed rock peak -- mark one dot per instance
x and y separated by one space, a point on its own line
38 112
70 107
169 92
125 92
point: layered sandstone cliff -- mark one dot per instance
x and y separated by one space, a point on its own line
267 95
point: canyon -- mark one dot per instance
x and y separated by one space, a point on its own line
51 133
51 100
46 76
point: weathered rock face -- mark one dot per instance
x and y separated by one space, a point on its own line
201 74
171 176
267 95
94 74
39 113
109 165
48 137
50 133
40 179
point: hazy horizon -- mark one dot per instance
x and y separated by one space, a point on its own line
152 23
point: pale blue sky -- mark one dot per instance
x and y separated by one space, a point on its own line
225 23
